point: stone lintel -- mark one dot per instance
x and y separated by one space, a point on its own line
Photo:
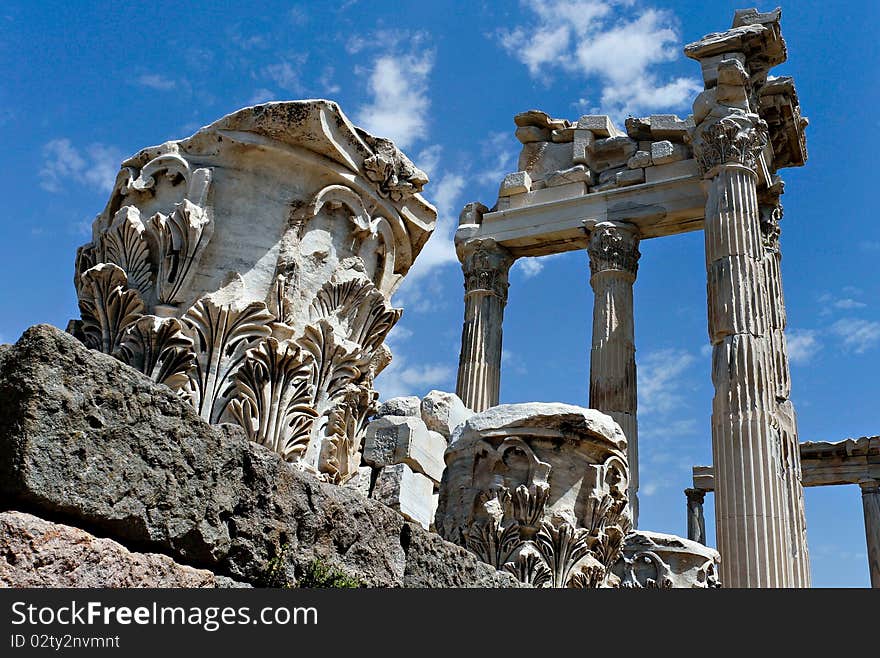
667 207
852 461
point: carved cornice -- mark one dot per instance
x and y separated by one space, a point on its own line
735 139
485 265
614 246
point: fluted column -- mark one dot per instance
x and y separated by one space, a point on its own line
485 265
771 211
751 510
871 503
614 258
696 522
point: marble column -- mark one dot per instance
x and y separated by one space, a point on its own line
614 258
485 265
696 522
751 509
871 503
770 211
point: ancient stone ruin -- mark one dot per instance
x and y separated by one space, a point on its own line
216 422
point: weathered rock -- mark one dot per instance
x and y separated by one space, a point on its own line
38 553
84 437
402 406
669 126
630 177
664 152
598 124
408 492
658 560
612 152
443 412
577 174
515 183
640 160
528 134
405 440
638 128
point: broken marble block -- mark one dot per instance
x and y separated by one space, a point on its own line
656 560
664 152
402 406
443 412
392 440
408 492
540 490
518 182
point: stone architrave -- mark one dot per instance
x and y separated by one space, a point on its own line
485 265
614 258
871 504
538 490
250 267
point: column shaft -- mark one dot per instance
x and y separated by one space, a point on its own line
753 533
485 266
614 259
871 503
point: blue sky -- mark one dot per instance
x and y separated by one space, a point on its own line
87 84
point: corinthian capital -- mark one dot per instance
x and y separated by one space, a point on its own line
732 139
614 246
485 264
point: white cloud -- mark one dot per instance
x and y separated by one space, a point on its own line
326 81
399 104
606 40
156 81
848 304
803 344
529 267
96 165
658 372
399 379
286 74
857 335
261 95
423 289
498 152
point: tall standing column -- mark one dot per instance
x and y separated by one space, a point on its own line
485 265
871 502
770 215
614 260
752 525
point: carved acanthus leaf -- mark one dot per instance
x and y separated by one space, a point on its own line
272 397
613 247
336 364
108 306
178 241
529 567
222 335
562 546
733 139
493 542
361 310
340 453
124 243
160 349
